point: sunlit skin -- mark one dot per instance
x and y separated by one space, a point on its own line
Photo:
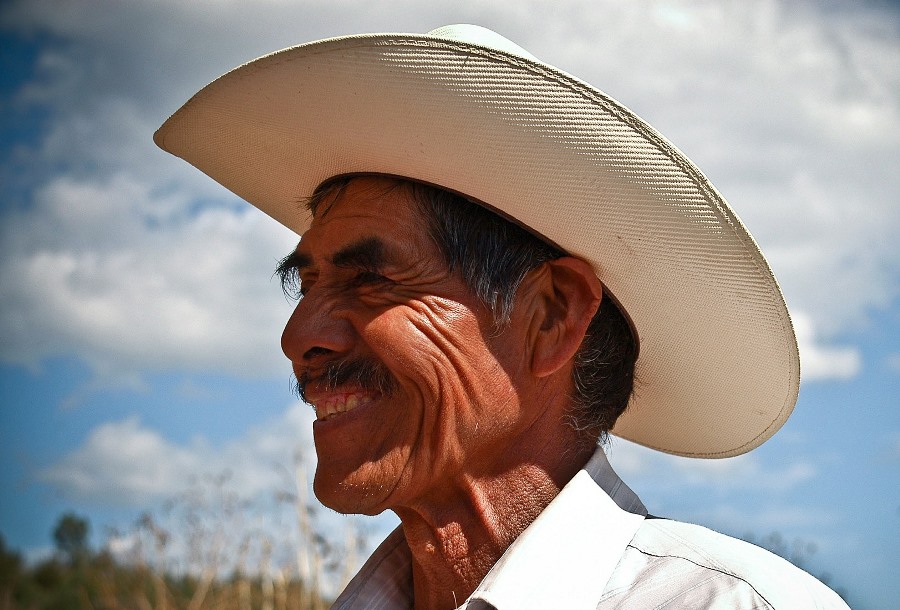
473 441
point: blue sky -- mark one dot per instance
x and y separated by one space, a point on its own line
139 322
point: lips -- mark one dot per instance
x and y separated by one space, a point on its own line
333 405
342 386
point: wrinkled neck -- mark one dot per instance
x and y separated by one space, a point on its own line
456 539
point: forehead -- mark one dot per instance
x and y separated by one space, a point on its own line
362 195
366 206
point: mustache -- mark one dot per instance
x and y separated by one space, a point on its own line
365 373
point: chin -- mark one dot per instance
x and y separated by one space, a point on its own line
346 497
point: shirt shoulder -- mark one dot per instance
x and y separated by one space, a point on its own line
385 580
669 564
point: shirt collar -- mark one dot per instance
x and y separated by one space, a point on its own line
571 549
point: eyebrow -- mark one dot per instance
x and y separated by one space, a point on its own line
288 271
292 263
368 253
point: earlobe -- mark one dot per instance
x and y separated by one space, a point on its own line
568 295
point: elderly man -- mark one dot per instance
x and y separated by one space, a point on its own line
487 243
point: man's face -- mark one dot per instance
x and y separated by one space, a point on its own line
413 396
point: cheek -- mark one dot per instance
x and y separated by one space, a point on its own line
437 350
437 339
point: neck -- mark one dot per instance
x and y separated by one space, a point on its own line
456 539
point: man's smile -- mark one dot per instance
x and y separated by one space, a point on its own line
342 385
334 404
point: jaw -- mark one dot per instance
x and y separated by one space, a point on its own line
353 487
362 443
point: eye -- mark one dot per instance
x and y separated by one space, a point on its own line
368 278
304 285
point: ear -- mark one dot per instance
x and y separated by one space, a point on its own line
565 296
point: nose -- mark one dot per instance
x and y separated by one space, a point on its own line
315 329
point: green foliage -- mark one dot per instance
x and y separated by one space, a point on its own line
71 536
82 579
10 565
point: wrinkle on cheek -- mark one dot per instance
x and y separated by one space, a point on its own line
461 351
437 341
451 335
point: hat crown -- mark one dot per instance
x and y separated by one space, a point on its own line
481 36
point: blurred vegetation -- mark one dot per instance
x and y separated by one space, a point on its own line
96 580
208 548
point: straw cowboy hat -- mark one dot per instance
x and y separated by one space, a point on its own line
465 109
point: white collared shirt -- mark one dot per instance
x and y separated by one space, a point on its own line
593 548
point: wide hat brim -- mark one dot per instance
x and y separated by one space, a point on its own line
467 110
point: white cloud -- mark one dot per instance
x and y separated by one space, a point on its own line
823 362
122 463
741 521
746 471
792 108
126 464
133 280
748 494
668 472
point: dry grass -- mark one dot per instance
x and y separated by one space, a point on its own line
208 548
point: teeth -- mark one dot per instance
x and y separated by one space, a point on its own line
339 403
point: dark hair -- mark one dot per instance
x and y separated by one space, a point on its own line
494 255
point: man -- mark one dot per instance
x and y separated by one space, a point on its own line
487 244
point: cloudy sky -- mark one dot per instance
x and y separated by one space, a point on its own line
139 321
